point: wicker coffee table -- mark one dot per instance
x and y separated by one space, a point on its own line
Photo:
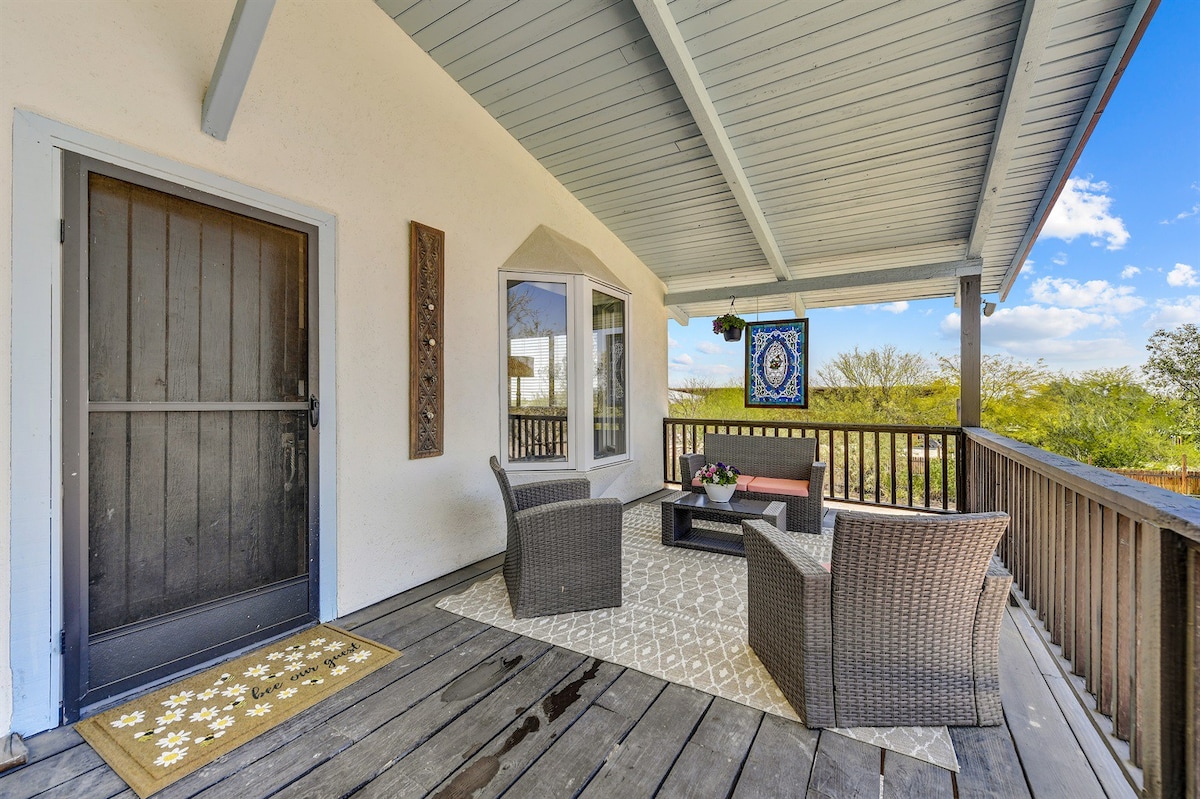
682 507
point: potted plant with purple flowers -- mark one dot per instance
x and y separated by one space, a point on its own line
729 325
719 481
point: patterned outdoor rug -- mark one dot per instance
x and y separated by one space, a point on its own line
162 736
683 620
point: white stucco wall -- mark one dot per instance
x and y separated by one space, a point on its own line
342 113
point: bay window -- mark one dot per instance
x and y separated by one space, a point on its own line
564 371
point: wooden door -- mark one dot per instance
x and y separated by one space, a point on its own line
190 515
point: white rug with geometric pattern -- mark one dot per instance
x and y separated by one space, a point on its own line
683 620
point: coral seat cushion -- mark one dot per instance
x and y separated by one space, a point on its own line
775 485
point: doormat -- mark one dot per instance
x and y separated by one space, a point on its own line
684 620
156 739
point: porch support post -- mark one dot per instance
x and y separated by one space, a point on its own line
969 358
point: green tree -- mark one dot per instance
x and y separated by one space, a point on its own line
1174 369
1107 418
1011 391
884 376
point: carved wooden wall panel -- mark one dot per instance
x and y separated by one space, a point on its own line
425 395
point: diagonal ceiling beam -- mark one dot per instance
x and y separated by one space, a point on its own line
1036 23
899 274
1127 41
242 40
673 49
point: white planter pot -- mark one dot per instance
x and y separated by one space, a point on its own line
719 493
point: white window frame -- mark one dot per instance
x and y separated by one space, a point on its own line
580 408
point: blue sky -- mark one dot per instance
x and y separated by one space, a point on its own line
1118 258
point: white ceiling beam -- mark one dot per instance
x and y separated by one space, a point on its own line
1036 23
798 306
242 40
1131 34
678 314
674 51
900 274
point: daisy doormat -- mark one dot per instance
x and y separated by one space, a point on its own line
156 739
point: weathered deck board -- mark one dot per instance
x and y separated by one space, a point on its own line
988 767
711 759
906 776
600 729
58 769
572 760
641 763
1107 771
558 676
367 689
844 769
778 741
374 748
1041 734
339 735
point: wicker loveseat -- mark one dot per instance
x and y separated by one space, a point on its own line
787 463
902 629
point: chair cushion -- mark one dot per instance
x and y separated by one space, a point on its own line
776 485
743 481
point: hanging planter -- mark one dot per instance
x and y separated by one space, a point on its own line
730 324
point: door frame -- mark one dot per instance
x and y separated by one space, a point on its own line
35 567
78 695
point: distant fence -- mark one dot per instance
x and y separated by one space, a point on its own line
1173 481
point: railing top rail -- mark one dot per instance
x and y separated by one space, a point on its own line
886 428
1156 505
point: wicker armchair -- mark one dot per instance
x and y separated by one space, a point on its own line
903 629
766 456
564 548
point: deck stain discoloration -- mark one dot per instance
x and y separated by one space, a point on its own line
481 772
482 678
557 703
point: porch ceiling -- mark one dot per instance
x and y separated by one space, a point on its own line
814 154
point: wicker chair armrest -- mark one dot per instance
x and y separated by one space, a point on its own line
985 643
789 621
552 521
533 494
689 464
816 479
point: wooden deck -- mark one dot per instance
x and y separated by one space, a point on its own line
474 711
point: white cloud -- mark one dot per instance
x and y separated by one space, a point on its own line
672 342
1035 331
1129 272
1169 313
708 348
1094 294
682 359
1083 210
1183 275
717 370
895 307
1059 259
1027 267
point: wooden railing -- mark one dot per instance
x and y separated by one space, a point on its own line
536 437
1112 568
907 466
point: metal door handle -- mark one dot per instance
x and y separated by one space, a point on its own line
314 410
